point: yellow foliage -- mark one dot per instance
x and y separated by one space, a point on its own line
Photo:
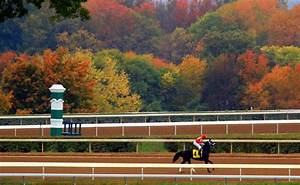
5 101
192 70
114 91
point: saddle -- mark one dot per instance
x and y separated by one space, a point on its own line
197 154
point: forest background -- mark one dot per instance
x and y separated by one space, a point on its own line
152 55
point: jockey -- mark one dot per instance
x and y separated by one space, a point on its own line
198 142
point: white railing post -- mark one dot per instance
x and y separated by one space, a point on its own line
93 173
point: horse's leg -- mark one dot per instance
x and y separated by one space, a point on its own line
211 163
183 161
206 162
193 170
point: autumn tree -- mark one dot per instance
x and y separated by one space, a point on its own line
146 9
252 66
222 84
174 46
251 15
190 88
76 72
114 94
6 102
121 27
81 39
279 89
283 28
5 59
192 70
143 76
24 79
282 55
181 13
29 77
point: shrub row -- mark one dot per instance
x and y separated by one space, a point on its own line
131 147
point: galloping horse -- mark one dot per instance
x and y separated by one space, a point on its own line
200 155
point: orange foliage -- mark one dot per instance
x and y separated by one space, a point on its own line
146 8
159 63
252 66
6 102
278 89
284 26
251 14
110 19
5 59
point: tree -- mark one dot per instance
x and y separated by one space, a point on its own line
81 39
144 80
251 16
5 59
192 70
29 77
279 89
10 36
216 37
6 102
16 8
285 55
181 13
174 46
24 80
36 31
222 84
114 91
210 22
283 28
78 75
230 42
252 66
190 88
121 27
143 75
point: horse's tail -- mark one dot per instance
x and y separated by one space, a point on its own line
176 156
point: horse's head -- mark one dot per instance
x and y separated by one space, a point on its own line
210 143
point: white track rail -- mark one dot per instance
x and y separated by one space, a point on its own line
161 124
147 165
161 166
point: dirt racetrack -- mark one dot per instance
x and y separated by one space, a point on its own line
162 131
150 158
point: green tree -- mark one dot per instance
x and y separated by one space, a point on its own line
282 55
174 46
81 39
230 42
16 8
216 37
39 32
144 80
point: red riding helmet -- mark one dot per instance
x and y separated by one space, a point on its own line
203 136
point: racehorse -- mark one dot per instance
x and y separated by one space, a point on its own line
200 155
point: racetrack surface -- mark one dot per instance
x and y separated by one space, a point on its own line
149 158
